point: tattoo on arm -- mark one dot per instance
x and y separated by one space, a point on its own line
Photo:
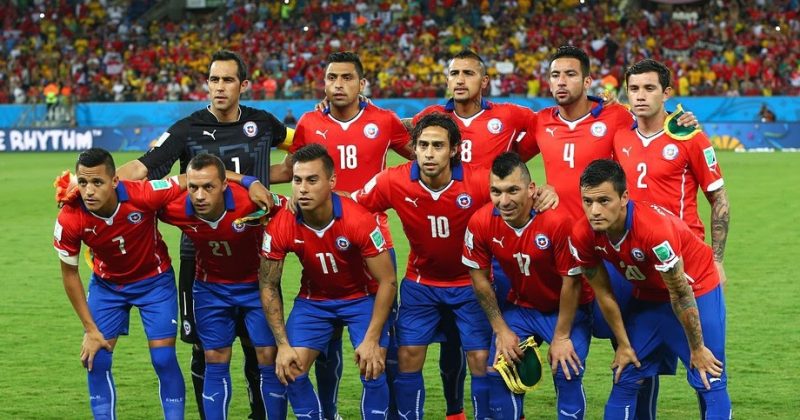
720 218
684 304
269 281
488 301
408 123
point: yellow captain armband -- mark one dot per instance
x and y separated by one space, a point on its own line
676 131
287 142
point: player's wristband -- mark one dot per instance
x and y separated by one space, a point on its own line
248 180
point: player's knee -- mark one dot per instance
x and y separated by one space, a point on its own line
102 361
163 358
411 358
476 359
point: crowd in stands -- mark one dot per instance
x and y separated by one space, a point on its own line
100 50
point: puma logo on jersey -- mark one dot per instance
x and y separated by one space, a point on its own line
498 241
211 134
414 201
193 228
210 397
91 229
551 130
298 241
600 248
324 134
627 151
573 415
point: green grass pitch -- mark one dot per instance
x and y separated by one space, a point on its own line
41 378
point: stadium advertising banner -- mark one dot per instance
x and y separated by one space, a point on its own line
73 139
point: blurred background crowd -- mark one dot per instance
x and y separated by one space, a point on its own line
142 50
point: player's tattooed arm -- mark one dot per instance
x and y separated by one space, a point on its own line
720 219
408 123
684 304
269 283
506 340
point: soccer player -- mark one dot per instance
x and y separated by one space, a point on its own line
434 196
357 136
242 137
677 305
666 170
544 300
347 278
131 267
226 287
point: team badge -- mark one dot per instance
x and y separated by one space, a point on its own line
637 254
599 129
250 129
542 241
670 152
135 217
371 131
187 327
494 126
711 157
464 200
342 243
238 227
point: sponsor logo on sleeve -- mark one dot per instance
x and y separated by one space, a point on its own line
377 238
711 157
266 243
664 252
160 184
469 239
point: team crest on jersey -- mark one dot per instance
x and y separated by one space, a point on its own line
135 217
371 131
464 200
494 126
670 152
187 327
342 243
542 241
250 129
637 254
599 129
238 227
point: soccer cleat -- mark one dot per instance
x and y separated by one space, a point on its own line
525 375
676 131
456 416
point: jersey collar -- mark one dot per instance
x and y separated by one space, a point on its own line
450 106
456 172
361 105
229 203
595 111
337 209
629 216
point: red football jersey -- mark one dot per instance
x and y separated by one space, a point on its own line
669 172
654 242
534 257
567 148
497 128
127 246
225 252
333 257
358 147
434 221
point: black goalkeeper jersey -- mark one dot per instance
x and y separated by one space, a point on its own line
244 147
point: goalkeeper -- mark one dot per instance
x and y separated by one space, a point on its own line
544 299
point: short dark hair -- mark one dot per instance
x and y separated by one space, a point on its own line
94 157
571 51
228 55
437 119
470 55
347 57
504 165
649 65
602 170
204 160
313 152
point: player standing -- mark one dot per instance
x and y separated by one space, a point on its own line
348 278
667 169
544 300
434 196
678 306
226 287
242 137
131 267
357 136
